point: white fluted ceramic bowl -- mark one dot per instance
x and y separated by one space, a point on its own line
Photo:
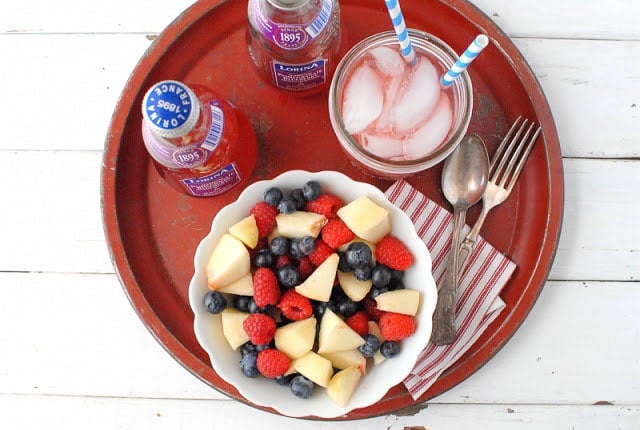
379 379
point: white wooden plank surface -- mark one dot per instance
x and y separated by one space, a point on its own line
588 19
79 336
152 414
73 350
596 194
570 72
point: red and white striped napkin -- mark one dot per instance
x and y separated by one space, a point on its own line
478 302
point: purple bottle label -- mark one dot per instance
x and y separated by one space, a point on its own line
215 183
299 77
291 36
190 156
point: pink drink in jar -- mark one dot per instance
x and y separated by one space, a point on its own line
395 117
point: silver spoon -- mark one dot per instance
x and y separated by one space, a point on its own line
464 179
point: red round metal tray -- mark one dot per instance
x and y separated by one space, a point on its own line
152 231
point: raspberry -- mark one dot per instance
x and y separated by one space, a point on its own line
260 328
273 363
265 216
371 307
336 233
265 287
395 326
282 260
295 306
321 253
391 252
305 267
359 322
325 204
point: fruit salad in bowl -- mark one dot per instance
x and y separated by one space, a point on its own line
312 294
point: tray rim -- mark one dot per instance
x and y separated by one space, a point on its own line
457 372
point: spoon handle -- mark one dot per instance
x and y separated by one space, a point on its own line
470 240
444 329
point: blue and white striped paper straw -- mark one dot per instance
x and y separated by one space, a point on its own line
470 54
406 49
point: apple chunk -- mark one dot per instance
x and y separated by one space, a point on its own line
355 289
232 329
344 359
241 287
405 301
335 335
228 262
366 219
296 339
300 224
246 230
342 385
319 284
314 367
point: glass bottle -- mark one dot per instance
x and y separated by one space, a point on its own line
295 44
200 144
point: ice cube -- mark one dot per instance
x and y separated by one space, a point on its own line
419 96
388 60
363 98
432 133
391 89
382 145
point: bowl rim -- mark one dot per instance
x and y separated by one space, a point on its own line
222 221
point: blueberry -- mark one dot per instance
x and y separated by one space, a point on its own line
263 347
279 245
294 248
248 348
311 190
288 276
215 302
343 264
396 275
376 291
389 348
273 196
380 275
358 254
362 273
347 307
370 346
318 309
396 285
298 196
287 205
254 309
302 387
264 258
285 380
241 303
248 364
306 245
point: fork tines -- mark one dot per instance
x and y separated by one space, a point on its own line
514 149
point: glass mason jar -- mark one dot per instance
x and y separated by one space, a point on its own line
459 94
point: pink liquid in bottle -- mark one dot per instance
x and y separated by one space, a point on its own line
295 44
200 144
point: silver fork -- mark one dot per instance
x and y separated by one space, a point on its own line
504 170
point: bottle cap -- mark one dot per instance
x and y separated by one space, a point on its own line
171 109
